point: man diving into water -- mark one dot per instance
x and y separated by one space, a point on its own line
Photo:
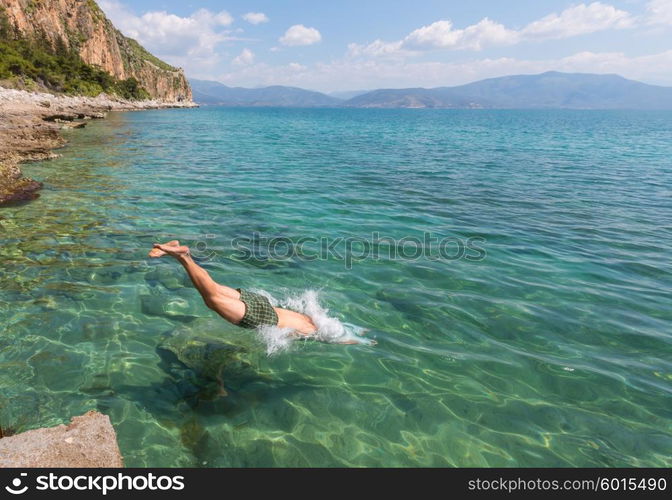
239 307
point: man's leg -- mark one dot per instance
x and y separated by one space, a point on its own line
226 301
223 300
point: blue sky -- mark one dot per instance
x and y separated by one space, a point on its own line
367 44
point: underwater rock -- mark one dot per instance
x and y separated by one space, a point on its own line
171 283
88 441
174 308
106 277
164 277
206 356
14 187
216 365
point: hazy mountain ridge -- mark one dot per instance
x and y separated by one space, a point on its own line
348 94
551 90
215 93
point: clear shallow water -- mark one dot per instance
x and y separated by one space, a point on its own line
554 350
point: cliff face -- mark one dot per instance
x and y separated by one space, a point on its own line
81 25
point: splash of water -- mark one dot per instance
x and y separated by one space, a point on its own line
329 329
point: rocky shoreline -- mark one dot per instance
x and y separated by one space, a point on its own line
30 125
88 441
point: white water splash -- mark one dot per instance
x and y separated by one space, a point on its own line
329 329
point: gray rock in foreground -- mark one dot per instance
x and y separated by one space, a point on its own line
89 441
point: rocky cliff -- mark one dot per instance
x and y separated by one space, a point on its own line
81 26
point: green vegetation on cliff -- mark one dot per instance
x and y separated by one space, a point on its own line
36 64
137 53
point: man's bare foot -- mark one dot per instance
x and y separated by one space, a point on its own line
157 252
171 248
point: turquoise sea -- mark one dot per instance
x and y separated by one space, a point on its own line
541 337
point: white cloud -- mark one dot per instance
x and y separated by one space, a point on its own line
190 42
442 35
300 35
659 12
297 67
245 58
378 48
256 18
577 20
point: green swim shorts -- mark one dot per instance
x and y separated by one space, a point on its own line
258 311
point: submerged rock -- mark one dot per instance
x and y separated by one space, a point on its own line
215 366
207 356
175 308
14 187
88 441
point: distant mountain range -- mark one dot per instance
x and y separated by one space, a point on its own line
215 93
348 94
550 90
